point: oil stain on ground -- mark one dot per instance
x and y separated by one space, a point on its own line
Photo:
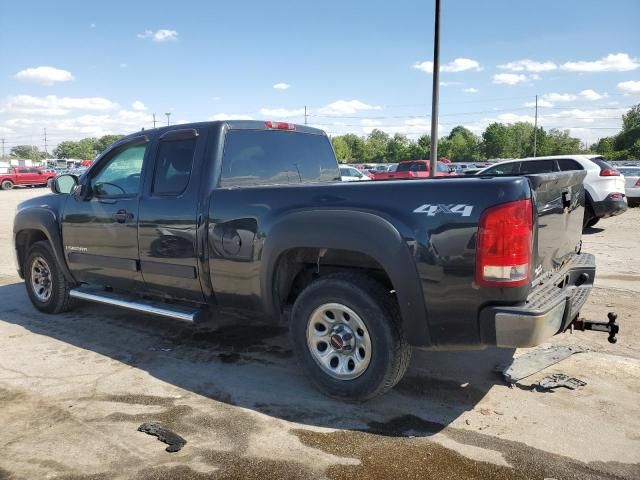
388 453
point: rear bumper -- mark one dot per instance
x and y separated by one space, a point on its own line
550 308
610 206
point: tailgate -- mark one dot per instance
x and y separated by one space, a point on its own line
559 201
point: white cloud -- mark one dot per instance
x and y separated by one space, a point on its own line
630 87
138 106
592 95
123 65
230 116
457 65
509 78
559 97
92 25
44 75
282 86
54 105
541 103
346 107
281 112
527 65
614 62
447 84
470 90
162 35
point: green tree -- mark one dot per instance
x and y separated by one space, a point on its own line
462 145
631 119
562 143
30 152
356 146
376 146
341 147
103 142
398 148
496 141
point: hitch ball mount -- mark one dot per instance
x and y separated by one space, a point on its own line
611 326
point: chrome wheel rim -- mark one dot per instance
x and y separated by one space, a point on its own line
41 279
339 341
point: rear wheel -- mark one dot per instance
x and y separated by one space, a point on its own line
590 218
345 329
7 185
47 287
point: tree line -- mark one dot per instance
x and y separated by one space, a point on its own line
497 141
461 144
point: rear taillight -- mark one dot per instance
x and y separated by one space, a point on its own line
503 248
280 125
637 183
609 172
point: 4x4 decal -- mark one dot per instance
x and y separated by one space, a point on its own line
435 209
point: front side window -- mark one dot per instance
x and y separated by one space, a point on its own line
268 157
173 166
503 169
121 174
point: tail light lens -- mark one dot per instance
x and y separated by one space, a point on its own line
503 249
609 172
280 125
637 183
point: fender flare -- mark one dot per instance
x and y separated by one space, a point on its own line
358 231
44 220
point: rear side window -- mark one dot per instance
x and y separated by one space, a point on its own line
601 163
537 166
173 166
566 164
412 167
268 157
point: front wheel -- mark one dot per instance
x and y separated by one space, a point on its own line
345 329
47 287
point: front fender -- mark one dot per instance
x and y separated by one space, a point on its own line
361 232
46 220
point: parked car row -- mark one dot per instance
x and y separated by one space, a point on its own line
604 185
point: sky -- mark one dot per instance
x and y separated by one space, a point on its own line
80 68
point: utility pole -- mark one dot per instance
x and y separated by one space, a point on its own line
535 130
3 141
46 151
168 114
305 114
154 120
433 158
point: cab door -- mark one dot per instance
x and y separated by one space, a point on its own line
168 221
100 227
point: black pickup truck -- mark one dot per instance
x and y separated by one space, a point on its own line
188 220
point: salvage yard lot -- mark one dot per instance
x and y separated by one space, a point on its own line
74 389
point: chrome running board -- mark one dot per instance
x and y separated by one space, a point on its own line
178 312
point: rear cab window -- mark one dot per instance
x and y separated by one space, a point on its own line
271 157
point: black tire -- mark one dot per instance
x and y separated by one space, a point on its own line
7 185
58 300
589 218
390 353
49 183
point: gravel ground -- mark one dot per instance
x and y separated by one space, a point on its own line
74 389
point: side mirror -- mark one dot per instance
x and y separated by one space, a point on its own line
64 184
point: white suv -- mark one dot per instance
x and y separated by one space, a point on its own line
604 185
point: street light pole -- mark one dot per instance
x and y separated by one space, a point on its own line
168 114
433 158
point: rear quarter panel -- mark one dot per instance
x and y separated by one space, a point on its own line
433 225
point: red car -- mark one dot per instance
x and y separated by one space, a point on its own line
413 169
19 176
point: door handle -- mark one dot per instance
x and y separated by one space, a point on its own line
122 216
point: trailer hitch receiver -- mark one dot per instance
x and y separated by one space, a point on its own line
611 326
